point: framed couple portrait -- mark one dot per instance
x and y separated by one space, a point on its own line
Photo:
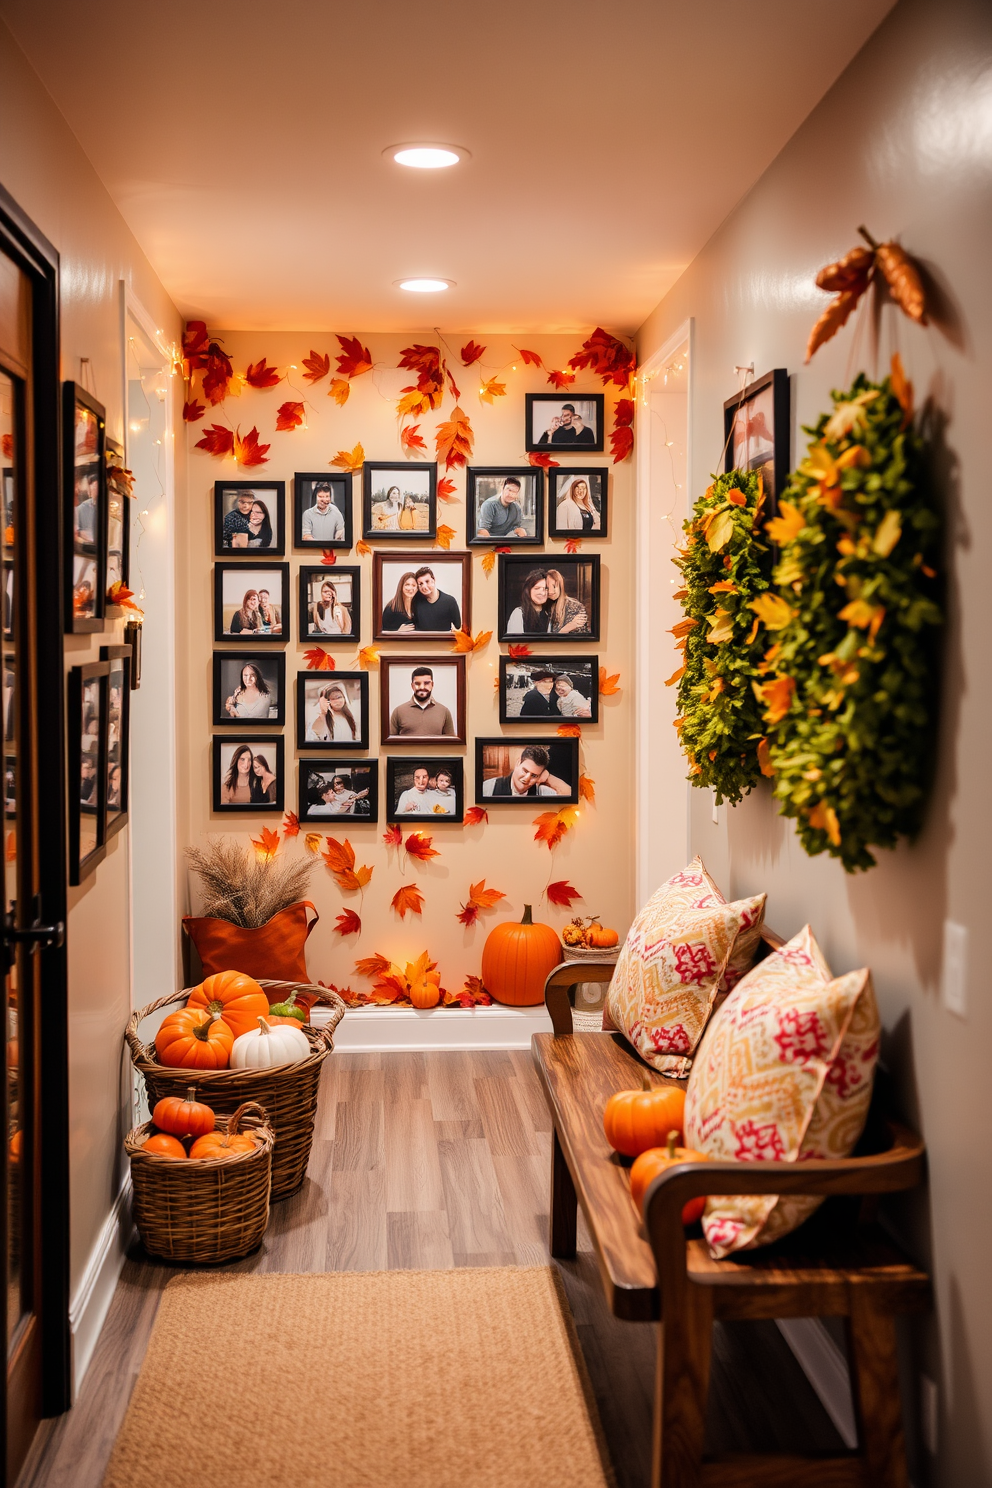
332 710
420 596
565 422
249 687
422 697
330 602
251 600
578 502
85 473
756 431
505 505
249 518
548 597
322 507
248 773
348 788
425 787
399 501
520 772
550 689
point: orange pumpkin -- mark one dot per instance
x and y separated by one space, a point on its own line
183 1118
426 992
635 1120
192 1041
598 937
236 998
651 1163
164 1146
516 960
222 1143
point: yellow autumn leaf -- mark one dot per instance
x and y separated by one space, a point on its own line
412 403
863 615
675 677
778 695
368 657
349 459
888 533
721 627
491 389
719 531
847 416
339 390
772 611
444 536
824 817
488 561
312 842
787 525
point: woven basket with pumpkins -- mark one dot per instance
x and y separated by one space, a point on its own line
242 1040
588 940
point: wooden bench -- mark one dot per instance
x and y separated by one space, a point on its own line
833 1265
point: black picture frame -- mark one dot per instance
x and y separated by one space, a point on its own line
508 752
119 659
559 482
87 689
119 502
241 581
270 493
491 478
538 405
274 754
387 565
581 575
84 460
308 687
585 669
336 574
310 810
228 665
766 397
400 773
410 664
373 473
342 497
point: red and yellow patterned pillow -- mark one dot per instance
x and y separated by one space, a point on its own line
686 948
784 1072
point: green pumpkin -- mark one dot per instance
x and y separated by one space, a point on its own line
288 1009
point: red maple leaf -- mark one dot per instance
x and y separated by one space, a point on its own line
328 556
418 845
317 366
291 824
471 352
195 344
529 358
217 377
355 358
318 660
426 362
446 489
561 379
479 898
288 416
218 440
261 375
573 544
569 731
248 451
476 814
407 898
348 923
561 892
621 444
519 650
411 441
607 356
545 461
193 411
393 836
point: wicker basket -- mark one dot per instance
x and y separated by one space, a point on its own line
288 1092
210 1209
592 953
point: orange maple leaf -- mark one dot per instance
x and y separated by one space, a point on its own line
407 898
411 440
353 878
569 731
491 389
119 594
317 364
193 411
479 898
392 836
339 390
418 845
218 440
328 556
362 547
260 375
413 403
519 650
349 459
561 379
267 845
561 892
471 352
446 489
348 923
372 966
355 358
339 856
529 358
538 457
291 824
552 825
368 657
489 561
319 660
248 451
312 842
608 685
463 642
444 537
573 544
587 788
476 814
288 416
453 439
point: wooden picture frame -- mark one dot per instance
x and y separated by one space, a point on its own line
484 483
346 581
560 484
233 505
84 432
544 408
415 481
582 669
227 749
87 705
233 582
757 423
497 760
448 692
579 582
354 686
360 774
119 503
227 672
120 659
304 501
440 807
390 567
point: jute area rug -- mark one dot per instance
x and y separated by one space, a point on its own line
426 1379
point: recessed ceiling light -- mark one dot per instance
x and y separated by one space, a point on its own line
425 286
427 157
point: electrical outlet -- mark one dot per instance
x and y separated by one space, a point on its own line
929 1413
955 982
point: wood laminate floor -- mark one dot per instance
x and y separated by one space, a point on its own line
440 1160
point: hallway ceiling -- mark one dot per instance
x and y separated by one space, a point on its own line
242 143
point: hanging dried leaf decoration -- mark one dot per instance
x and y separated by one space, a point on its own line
851 276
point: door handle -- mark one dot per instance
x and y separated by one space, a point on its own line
38 937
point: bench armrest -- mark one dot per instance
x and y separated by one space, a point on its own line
560 982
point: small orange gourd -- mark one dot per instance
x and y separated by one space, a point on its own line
164 1146
222 1144
599 937
192 1041
183 1117
236 998
516 960
651 1163
635 1120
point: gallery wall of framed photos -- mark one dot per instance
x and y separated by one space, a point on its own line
296 555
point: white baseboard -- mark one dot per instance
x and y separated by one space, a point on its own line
825 1366
95 1292
375 1030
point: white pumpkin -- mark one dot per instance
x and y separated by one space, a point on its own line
266 1046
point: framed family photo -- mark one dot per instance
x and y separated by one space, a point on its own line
415 601
565 422
118 734
119 500
250 599
399 500
330 602
577 503
510 773
85 474
425 788
322 510
88 688
348 788
505 505
332 710
248 773
249 686
548 597
422 697
756 431
249 518
552 689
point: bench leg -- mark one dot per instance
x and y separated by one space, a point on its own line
871 1337
564 1205
682 1381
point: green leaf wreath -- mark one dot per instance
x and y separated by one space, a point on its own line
725 567
850 685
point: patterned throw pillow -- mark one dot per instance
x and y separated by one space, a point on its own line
783 1073
686 948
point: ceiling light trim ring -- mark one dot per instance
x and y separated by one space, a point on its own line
433 154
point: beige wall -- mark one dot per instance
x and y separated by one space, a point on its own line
903 143
596 856
44 169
